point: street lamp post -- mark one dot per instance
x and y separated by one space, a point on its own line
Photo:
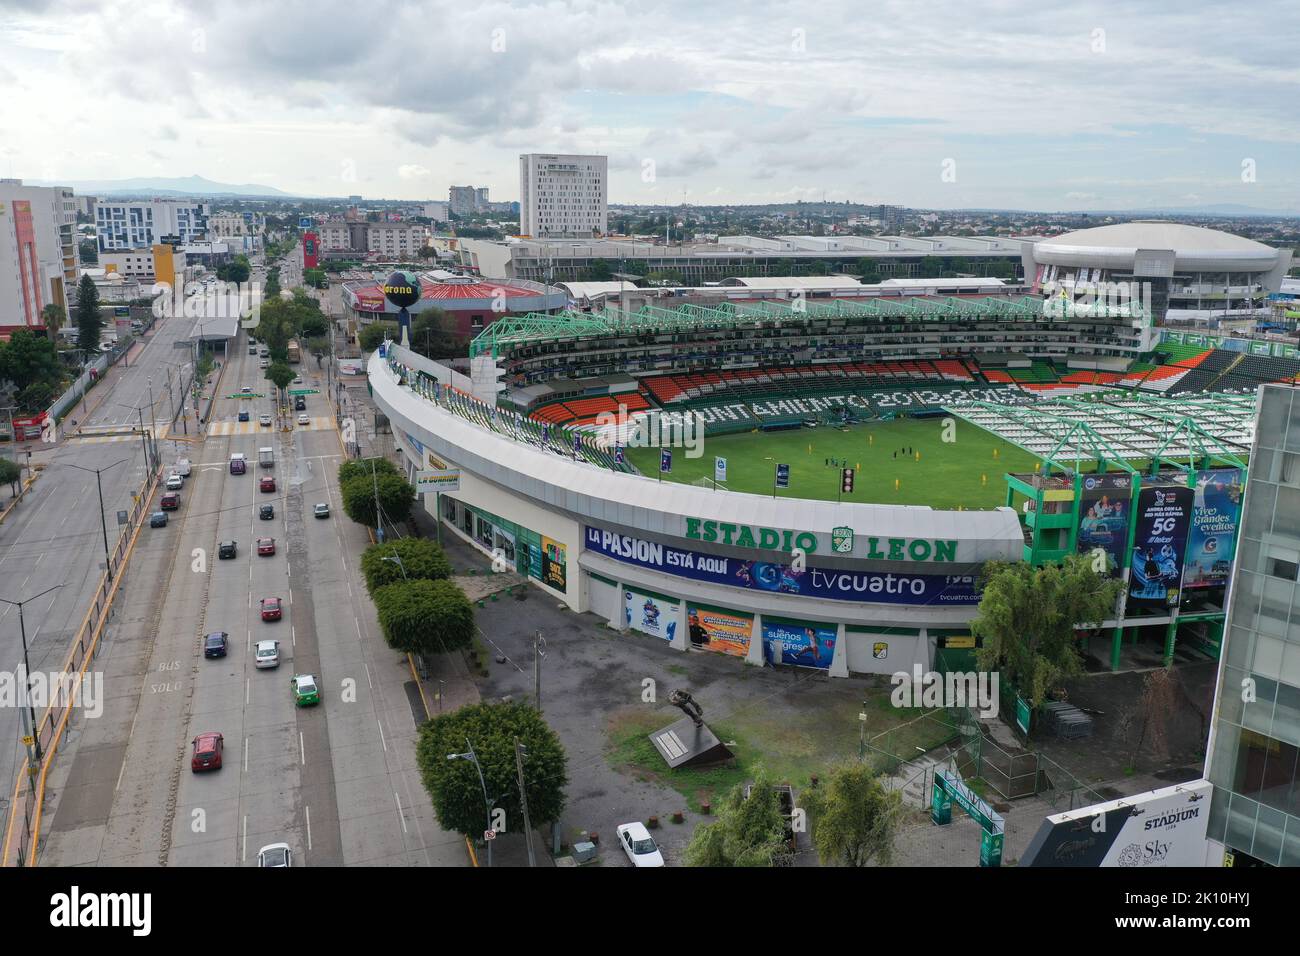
103 524
34 748
487 801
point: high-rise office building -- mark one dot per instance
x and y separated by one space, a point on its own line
1253 756
38 250
142 224
462 201
563 197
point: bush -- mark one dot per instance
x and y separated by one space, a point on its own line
425 617
422 560
361 466
396 499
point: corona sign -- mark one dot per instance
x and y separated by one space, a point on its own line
402 289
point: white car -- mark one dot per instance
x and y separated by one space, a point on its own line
267 654
264 364
265 421
175 482
275 854
637 843
303 419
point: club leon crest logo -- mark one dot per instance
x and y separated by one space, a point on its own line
842 540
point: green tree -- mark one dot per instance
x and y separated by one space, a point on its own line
425 617
10 474
1027 618
90 323
492 729
88 252
318 346
748 832
37 396
237 269
854 819
364 467
396 499
374 333
314 326
420 559
53 315
28 358
434 334
280 375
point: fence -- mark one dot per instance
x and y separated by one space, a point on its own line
82 385
22 833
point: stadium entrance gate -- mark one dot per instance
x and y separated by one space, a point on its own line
948 788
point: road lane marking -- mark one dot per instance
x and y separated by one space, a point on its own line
381 734
247 690
357 622
307 810
369 682
243 852
302 749
293 636
400 815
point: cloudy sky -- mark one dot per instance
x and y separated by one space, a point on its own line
1046 105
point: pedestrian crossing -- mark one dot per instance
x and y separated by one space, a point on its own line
222 429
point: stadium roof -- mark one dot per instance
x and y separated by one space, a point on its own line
1156 234
794 282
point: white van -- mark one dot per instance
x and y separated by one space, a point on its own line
182 467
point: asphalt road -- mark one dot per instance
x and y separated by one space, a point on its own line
337 782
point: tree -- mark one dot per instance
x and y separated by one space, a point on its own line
10 474
365 466
434 334
374 333
90 323
37 397
748 832
492 729
28 358
319 346
53 315
1027 619
280 375
425 617
420 559
237 269
853 818
314 326
396 499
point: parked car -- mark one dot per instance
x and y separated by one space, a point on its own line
216 644
305 691
266 512
639 846
267 483
243 416
264 364
170 501
270 609
322 510
303 419
266 546
226 549
275 854
158 519
267 654
175 482
207 752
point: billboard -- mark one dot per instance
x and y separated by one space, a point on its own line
651 614
1165 827
552 564
1163 518
1104 511
726 632
802 643
310 250
1212 541
437 480
872 587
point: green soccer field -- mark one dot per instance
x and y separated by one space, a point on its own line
966 472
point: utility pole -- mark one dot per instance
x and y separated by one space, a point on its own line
539 651
34 748
103 525
523 799
379 525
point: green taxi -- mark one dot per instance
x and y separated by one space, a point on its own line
305 690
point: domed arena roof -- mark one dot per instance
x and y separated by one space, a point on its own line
1194 247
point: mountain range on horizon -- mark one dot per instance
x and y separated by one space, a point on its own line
169 186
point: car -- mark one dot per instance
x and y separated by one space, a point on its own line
170 501
267 654
305 690
175 483
264 364
252 350
322 510
245 390
267 483
297 380
216 644
271 609
226 549
207 752
266 512
264 352
238 464
158 519
303 419
299 403
639 846
266 546
275 854
264 421
243 416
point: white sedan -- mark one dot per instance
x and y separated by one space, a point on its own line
303 419
275 854
267 654
640 848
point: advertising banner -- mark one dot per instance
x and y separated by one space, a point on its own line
726 632
1163 519
1104 516
803 643
1211 545
651 615
438 480
553 564
872 587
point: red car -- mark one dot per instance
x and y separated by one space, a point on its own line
266 546
207 752
271 609
170 501
268 483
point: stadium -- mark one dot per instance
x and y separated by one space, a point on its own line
878 451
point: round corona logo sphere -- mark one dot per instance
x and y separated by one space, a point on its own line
402 289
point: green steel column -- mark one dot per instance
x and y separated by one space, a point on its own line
1115 644
1170 633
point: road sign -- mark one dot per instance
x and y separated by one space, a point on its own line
489 834
304 391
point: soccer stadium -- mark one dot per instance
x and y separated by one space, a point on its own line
818 481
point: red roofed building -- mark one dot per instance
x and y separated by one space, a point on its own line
475 302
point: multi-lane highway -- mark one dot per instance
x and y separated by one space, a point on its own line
336 781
